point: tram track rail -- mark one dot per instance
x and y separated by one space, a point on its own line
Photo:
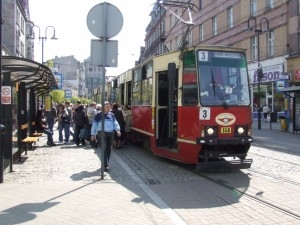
252 197
273 158
280 178
150 167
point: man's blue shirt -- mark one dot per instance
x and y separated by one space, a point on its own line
110 123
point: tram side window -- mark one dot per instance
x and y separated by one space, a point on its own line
146 91
147 83
136 88
189 79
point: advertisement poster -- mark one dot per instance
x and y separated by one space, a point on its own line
48 101
58 78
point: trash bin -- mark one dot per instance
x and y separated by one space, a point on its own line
283 124
273 117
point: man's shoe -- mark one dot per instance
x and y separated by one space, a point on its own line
106 168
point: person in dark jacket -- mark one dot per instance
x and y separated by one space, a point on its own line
41 126
80 120
120 119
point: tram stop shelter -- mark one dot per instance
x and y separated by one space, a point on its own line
294 93
25 82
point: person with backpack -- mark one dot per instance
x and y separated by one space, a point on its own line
110 125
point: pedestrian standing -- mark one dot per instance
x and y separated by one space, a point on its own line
70 111
127 118
65 119
110 125
91 113
120 119
41 126
80 120
266 111
51 117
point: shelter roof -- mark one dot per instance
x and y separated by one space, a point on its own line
32 73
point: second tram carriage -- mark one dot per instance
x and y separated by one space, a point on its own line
192 106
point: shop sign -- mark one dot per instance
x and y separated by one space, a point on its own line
280 84
271 74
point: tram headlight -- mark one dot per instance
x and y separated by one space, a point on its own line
210 131
241 130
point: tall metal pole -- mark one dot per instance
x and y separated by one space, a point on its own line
104 24
259 80
259 70
42 50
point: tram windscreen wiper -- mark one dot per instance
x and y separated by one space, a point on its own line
217 91
213 82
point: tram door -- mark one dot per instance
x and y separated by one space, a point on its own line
166 108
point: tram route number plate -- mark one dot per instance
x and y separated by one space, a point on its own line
225 130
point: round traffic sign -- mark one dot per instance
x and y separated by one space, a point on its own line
105 20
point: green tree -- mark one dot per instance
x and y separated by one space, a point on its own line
58 96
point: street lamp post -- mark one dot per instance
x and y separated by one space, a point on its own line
43 38
260 74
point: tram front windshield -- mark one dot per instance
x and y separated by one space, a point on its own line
223 78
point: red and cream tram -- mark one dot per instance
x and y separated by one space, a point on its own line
193 106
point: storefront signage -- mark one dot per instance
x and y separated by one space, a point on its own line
280 84
271 74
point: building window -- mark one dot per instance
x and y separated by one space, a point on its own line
177 43
253 48
269 4
230 17
201 32
253 7
270 43
200 4
190 40
172 21
214 26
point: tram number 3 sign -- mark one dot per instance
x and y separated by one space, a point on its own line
204 113
6 95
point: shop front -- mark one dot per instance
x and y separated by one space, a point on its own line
273 80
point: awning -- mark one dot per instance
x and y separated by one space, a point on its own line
32 73
289 90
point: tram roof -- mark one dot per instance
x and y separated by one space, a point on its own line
291 89
31 72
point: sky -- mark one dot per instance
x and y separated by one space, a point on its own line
69 18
